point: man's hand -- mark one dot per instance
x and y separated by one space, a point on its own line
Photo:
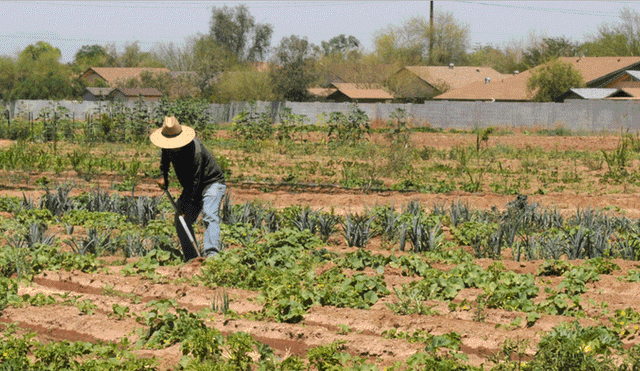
162 184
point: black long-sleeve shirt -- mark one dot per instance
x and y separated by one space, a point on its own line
195 168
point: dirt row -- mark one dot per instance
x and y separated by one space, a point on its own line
322 325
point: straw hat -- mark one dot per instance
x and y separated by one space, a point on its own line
172 134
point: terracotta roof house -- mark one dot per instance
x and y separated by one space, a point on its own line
355 73
114 75
321 93
359 93
424 82
126 94
96 94
597 72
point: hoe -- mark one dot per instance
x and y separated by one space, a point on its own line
181 218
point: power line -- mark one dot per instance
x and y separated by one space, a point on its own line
55 38
205 5
595 13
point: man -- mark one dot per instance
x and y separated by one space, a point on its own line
202 181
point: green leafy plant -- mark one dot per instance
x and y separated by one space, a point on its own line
349 128
250 125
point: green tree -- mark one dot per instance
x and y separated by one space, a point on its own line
92 56
392 48
293 71
8 78
245 84
41 76
504 60
450 39
211 59
235 30
410 43
341 46
552 79
618 39
134 57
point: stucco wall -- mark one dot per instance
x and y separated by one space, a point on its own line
578 115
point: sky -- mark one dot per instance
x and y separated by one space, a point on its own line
68 25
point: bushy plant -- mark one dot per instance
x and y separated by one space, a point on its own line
250 125
569 346
349 128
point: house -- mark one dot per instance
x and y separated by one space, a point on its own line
96 94
361 93
321 93
127 94
417 83
358 73
622 86
599 93
597 72
114 76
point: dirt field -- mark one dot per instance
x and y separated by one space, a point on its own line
323 325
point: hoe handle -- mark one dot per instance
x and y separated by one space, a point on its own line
182 221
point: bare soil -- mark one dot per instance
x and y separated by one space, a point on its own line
480 336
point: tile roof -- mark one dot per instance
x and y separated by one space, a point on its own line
114 74
321 92
514 87
355 91
455 77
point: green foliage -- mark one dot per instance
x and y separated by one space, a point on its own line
250 125
569 346
350 128
473 233
327 357
399 131
165 327
358 291
553 268
191 112
618 160
23 352
294 58
87 307
244 84
235 30
8 288
289 124
120 311
40 75
511 291
551 80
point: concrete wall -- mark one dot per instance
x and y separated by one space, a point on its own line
576 115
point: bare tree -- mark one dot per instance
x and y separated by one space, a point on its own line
177 58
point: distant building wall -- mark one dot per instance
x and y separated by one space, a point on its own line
577 115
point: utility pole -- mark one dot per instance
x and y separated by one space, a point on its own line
431 33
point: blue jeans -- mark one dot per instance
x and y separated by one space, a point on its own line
210 207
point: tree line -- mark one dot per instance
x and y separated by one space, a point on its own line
235 60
